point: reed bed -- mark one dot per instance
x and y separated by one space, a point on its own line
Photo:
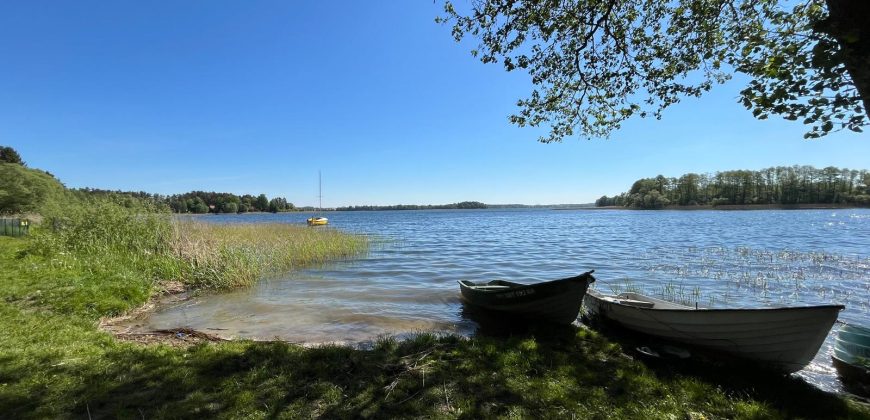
98 235
227 256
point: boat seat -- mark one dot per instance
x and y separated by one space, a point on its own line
636 303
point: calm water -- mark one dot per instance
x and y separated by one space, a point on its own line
407 282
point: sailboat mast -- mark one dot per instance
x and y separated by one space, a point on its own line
320 190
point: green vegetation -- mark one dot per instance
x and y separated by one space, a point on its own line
132 242
99 233
596 63
24 190
226 256
461 205
201 202
101 255
54 363
10 155
212 202
779 185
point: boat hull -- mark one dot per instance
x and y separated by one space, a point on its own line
852 356
855 378
784 339
556 301
317 221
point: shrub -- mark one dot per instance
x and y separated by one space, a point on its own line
24 190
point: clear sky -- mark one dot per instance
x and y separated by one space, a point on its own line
258 96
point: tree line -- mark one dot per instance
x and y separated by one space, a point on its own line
460 205
779 185
201 202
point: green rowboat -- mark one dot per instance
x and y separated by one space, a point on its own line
556 301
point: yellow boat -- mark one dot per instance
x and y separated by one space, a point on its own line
318 220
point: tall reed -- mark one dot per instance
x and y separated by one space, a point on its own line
93 233
225 256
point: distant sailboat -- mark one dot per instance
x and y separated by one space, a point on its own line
318 220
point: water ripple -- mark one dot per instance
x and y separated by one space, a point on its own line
408 280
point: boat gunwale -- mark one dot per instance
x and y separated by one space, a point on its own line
519 286
593 294
853 364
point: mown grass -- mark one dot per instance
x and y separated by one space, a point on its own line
55 363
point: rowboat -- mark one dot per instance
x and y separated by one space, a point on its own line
852 344
784 339
852 357
556 301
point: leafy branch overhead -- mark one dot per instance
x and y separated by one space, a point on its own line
596 63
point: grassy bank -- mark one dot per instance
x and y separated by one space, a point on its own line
54 363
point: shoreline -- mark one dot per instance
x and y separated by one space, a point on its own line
165 293
738 207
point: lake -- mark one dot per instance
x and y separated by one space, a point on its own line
407 282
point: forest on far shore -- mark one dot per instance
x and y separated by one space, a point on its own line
782 185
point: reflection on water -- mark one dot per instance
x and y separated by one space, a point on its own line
407 282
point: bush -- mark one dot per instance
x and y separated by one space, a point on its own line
24 190
230 208
101 226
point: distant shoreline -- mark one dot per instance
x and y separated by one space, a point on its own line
821 206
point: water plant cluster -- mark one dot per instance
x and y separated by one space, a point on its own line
720 275
232 255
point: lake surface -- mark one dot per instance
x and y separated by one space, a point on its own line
407 282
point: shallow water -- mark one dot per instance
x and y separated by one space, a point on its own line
407 282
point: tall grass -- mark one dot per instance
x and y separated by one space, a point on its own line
104 256
225 256
126 246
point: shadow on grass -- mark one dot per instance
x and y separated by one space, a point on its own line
526 370
737 378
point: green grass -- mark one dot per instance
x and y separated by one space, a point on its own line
143 244
55 363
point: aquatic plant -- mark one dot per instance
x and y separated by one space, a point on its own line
233 255
783 276
96 232
623 285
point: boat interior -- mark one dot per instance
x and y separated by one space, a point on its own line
492 285
640 301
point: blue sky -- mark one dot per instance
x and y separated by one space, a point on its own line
257 97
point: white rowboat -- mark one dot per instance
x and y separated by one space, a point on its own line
784 339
